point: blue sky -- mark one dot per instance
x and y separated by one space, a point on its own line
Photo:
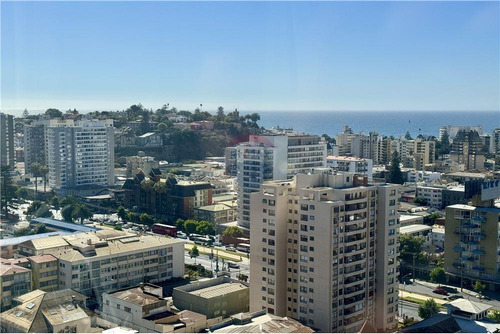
251 55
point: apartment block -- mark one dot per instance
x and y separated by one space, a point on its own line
315 241
351 165
14 281
423 153
471 243
467 149
34 146
273 157
452 130
44 271
6 140
81 155
141 162
365 146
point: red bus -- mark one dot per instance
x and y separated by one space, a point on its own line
164 229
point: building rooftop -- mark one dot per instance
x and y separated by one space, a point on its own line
468 306
137 295
41 310
43 258
19 240
215 207
262 323
345 158
415 228
218 290
439 323
63 225
7 268
474 208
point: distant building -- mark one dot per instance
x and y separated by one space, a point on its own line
453 195
432 194
351 165
44 271
81 155
406 220
419 176
150 139
7 140
467 309
48 312
140 162
201 125
272 157
467 149
423 153
220 213
221 296
417 231
453 130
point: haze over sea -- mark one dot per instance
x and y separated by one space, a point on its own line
385 123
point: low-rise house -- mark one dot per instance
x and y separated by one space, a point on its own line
467 309
417 231
221 296
150 139
202 125
60 311
351 165
220 213
405 220
438 236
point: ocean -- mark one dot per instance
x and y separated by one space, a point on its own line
385 123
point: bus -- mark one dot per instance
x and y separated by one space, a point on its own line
164 229
245 248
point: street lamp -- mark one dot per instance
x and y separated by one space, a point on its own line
401 299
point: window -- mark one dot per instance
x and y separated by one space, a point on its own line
127 309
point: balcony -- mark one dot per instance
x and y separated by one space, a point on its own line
351 300
351 292
479 251
458 249
354 269
479 219
478 268
354 279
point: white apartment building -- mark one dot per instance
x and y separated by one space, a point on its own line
496 141
81 155
315 241
432 194
272 157
452 130
351 165
418 176
95 263
365 146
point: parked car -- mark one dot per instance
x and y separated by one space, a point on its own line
440 291
231 249
232 265
453 297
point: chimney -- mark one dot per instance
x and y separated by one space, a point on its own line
73 300
89 241
141 285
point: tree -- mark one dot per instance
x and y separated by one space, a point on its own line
495 315
82 212
35 205
242 277
433 216
118 227
410 246
7 190
44 170
220 114
428 309
162 127
147 184
53 113
205 228
25 113
233 231
420 200
395 174
43 212
479 287
39 229
67 213
54 201
22 193
146 219
179 224
445 143
121 213
194 252
69 200
132 216
190 226
438 275
36 169
408 136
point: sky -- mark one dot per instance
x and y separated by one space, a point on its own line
251 55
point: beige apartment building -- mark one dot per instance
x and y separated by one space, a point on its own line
423 153
323 251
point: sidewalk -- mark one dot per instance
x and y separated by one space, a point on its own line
434 285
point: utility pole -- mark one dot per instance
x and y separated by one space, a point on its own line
414 256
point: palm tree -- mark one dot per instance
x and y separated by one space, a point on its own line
160 188
147 185
81 212
35 170
44 170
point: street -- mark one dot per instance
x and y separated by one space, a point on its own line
210 265
426 288
409 309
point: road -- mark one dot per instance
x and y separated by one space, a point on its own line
409 309
210 265
426 288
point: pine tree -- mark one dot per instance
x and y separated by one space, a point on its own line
395 174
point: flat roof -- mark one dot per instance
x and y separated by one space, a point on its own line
60 224
409 217
136 295
414 228
18 240
218 290
345 158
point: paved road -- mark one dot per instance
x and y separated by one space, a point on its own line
210 265
426 288
409 309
